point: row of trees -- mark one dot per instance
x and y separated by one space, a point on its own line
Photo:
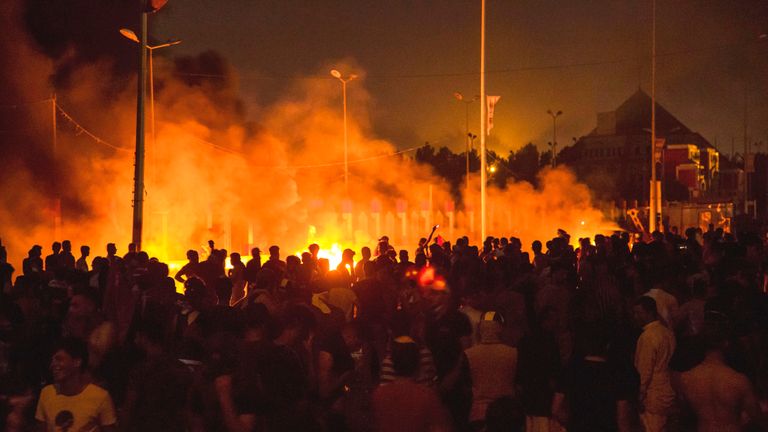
521 165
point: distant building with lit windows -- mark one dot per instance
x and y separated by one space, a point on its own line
614 158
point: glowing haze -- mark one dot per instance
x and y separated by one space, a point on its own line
214 174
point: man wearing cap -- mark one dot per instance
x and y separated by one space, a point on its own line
492 366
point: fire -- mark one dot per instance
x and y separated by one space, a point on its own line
333 255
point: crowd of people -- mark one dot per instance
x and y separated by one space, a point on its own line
668 334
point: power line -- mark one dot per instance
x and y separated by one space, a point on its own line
25 104
80 129
491 71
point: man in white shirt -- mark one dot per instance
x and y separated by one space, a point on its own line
654 350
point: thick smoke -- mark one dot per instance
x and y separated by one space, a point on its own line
214 174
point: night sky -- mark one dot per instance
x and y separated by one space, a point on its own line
580 57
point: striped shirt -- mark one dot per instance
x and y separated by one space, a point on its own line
427 371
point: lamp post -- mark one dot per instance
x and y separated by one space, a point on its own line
336 74
554 135
483 123
470 138
150 49
653 195
138 173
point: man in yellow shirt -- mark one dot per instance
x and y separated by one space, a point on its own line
72 403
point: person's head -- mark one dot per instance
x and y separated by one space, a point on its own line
348 255
255 252
536 247
274 252
36 251
314 248
82 304
150 336
111 249
56 246
405 356
306 257
292 262
85 250
193 256
70 359
256 317
298 324
365 252
403 256
66 246
234 257
194 291
490 326
382 248
645 311
132 248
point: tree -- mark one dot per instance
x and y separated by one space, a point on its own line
525 165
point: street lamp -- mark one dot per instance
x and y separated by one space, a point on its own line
336 74
467 102
554 135
132 36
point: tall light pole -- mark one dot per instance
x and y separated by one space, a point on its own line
653 193
138 173
554 135
336 74
150 49
467 134
483 122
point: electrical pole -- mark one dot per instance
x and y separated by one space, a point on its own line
138 175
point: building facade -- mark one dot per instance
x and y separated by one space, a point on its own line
614 159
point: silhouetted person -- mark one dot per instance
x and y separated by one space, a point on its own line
719 396
254 266
66 257
274 263
191 268
404 404
6 272
32 265
593 392
52 261
492 366
237 275
158 389
82 264
365 254
111 253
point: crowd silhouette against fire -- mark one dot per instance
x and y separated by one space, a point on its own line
612 335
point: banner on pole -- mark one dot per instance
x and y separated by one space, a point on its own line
491 102
154 5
